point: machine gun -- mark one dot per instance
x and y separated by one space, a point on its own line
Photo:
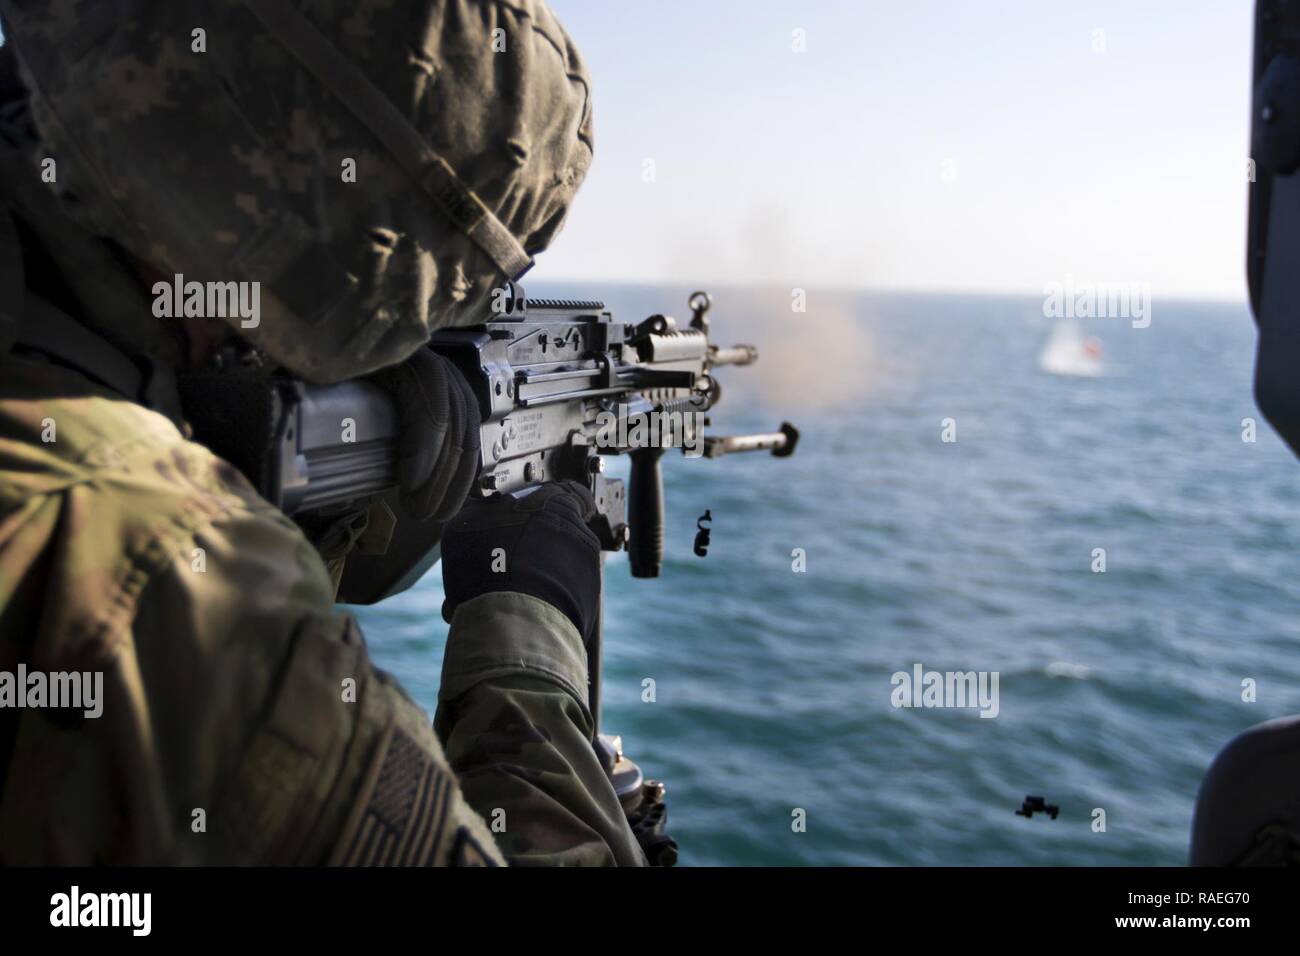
560 384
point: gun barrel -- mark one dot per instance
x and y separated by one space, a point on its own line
781 443
735 355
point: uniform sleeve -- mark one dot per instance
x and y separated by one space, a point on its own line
242 724
336 764
517 731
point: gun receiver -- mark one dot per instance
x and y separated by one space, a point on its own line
560 383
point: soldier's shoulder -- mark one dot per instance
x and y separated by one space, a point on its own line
59 429
115 496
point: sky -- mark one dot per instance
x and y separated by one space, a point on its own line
946 145
930 144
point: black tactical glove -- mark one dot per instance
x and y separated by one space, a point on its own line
546 550
439 419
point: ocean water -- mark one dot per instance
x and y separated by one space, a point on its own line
773 688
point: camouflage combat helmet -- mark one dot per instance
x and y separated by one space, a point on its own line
379 167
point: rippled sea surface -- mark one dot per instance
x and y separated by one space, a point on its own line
1116 688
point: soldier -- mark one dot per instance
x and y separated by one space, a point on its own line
378 169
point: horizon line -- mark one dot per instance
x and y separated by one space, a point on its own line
1241 299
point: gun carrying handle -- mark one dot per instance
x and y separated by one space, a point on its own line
645 517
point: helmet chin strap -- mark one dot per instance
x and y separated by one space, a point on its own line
376 112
